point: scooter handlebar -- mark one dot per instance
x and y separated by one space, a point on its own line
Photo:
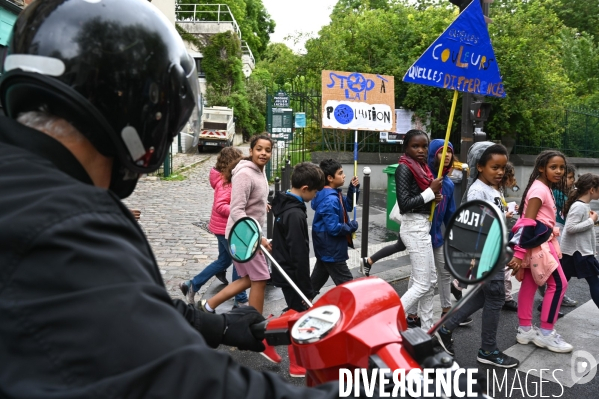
259 329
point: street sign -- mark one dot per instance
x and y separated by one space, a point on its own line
357 101
280 100
300 120
282 124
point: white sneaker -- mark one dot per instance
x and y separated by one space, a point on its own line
526 337
553 342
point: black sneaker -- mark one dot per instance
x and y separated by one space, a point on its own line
511 305
445 340
466 321
222 277
497 358
414 322
365 267
188 291
559 315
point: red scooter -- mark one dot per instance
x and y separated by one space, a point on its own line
362 324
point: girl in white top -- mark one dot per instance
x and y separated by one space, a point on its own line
579 241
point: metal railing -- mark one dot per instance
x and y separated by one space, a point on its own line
579 138
207 13
246 50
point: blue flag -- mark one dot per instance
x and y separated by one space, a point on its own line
461 59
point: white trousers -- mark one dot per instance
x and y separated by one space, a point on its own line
415 233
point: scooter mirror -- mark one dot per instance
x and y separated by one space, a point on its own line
244 239
475 242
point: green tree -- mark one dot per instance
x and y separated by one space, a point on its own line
227 85
527 38
581 63
582 15
281 63
527 42
222 63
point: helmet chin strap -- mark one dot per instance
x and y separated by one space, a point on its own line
123 180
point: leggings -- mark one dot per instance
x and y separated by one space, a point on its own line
593 282
594 288
557 284
389 250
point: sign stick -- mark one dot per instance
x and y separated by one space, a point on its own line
355 174
447 133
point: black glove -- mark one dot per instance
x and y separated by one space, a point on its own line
353 225
237 329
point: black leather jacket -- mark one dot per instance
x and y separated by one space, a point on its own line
84 312
408 192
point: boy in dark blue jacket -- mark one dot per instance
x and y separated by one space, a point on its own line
291 242
331 227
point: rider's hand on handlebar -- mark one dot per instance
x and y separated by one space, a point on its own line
237 329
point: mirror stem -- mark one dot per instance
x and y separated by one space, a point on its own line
454 309
295 287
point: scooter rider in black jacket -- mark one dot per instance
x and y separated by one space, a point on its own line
94 92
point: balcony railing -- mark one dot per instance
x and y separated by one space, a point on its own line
247 51
207 13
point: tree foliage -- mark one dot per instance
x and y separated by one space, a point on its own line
546 54
226 84
582 15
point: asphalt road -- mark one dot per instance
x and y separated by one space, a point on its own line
467 341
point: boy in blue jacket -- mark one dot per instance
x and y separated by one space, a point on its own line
331 227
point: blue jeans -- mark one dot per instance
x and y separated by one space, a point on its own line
221 264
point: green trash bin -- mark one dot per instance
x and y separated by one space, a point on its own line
391 195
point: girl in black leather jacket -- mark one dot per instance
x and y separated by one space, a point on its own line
416 187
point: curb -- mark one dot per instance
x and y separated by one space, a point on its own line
183 169
201 161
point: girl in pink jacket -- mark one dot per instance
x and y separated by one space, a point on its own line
538 208
217 225
249 197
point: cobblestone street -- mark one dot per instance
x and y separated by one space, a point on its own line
168 209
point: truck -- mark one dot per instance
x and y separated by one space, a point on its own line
217 128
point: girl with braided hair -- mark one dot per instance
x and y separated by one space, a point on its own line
578 241
534 236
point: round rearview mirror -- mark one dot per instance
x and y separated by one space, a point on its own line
475 242
244 239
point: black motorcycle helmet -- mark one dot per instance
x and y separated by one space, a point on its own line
117 70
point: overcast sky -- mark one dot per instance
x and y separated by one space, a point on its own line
294 16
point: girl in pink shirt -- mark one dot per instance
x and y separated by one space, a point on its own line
538 210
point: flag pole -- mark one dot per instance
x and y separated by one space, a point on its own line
445 144
355 174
